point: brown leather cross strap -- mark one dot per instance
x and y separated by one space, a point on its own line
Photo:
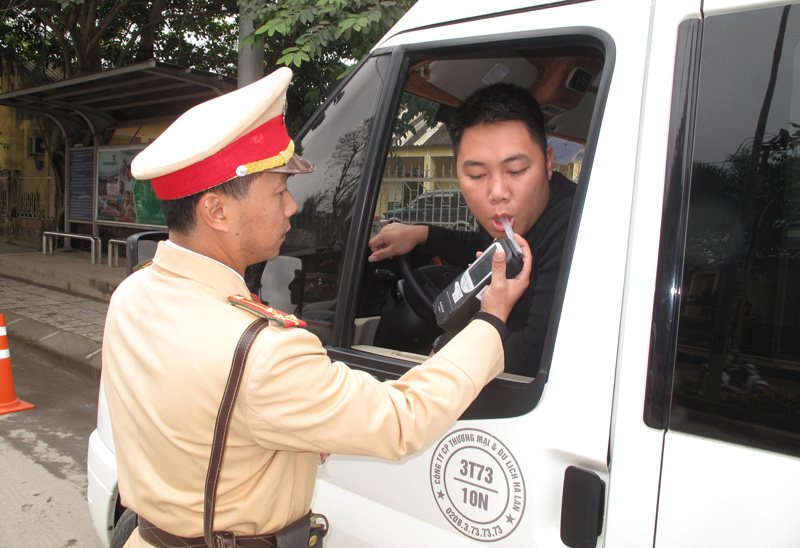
306 531
223 421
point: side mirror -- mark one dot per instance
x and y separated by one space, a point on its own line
142 246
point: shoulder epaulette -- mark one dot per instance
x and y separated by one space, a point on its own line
143 264
264 311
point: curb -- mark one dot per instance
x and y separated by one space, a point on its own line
79 352
65 271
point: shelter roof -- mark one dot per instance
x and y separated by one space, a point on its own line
145 93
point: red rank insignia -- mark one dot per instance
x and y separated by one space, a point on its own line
260 309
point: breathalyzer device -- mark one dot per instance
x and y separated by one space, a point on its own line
457 304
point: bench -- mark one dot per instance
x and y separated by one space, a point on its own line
96 244
113 250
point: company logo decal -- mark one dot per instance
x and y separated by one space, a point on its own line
477 484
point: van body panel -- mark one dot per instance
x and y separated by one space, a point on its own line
427 14
734 492
101 485
636 450
739 497
716 7
545 21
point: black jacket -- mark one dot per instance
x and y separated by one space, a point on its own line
527 323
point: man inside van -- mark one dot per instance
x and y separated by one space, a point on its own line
505 169
173 331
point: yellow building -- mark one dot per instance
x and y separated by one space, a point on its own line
66 146
28 193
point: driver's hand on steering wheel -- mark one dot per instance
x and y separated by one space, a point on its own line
503 293
396 239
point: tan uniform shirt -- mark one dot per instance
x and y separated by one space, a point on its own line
168 344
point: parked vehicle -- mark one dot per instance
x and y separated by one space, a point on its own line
683 251
436 207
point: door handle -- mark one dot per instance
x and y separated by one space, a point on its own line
582 508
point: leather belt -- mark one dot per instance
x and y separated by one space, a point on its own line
162 539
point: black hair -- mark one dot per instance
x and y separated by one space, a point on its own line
179 213
497 103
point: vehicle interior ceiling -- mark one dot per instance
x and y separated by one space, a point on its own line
565 83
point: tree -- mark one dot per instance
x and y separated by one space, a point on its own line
354 26
321 39
80 37
47 40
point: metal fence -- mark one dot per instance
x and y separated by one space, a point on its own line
413 194
27 195
36 197
5 192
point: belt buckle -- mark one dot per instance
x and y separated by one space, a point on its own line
319 528
224 539
319 521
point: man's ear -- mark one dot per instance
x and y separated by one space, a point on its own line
211 210
549 156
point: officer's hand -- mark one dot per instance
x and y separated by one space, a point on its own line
396 239
503 293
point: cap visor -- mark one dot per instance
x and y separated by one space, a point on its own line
296 164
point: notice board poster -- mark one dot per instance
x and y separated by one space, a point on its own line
81 185
120 197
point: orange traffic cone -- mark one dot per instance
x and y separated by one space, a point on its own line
9 402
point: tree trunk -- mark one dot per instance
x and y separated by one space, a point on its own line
251 58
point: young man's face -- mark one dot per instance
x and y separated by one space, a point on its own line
263 217
504 173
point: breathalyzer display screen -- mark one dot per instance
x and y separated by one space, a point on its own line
483 267
458 303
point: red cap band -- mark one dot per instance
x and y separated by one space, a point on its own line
264 143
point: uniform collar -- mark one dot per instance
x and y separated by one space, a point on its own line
181 248
220 279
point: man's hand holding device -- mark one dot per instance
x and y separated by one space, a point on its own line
484 284
503 292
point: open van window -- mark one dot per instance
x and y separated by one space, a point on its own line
379 315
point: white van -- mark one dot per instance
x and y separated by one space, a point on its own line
666 409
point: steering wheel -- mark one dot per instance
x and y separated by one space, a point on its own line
424 284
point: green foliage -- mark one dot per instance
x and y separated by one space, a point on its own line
81 37
321 40
351 27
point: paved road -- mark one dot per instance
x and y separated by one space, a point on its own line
43 453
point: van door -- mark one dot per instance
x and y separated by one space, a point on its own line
730 284
528 463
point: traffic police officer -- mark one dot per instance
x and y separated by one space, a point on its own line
171 332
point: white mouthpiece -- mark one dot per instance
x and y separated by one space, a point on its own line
510 234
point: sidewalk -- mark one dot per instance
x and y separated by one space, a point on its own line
57 302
